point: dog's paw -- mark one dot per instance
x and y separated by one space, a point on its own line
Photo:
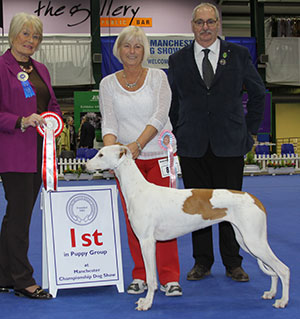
143 304
268 295
280 303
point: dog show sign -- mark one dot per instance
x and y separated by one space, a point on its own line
81 238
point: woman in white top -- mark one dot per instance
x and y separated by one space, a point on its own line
134 104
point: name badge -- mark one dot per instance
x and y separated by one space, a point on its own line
165 169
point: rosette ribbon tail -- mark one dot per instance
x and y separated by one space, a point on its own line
28 90
173 179
49 167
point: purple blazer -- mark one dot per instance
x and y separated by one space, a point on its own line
17 149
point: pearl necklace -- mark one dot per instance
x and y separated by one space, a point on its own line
131 85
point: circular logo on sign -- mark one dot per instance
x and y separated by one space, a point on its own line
82 209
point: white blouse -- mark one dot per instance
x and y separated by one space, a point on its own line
125 114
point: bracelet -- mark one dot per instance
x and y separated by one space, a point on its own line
23 128
139 146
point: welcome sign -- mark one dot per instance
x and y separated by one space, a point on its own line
81 238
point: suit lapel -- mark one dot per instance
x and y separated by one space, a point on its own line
194 71
15 68
12 64
192 68
223 60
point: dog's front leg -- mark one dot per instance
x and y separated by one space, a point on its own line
148 250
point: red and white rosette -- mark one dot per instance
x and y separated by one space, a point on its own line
52 129
165 141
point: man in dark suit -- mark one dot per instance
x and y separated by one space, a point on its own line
87 134
212 132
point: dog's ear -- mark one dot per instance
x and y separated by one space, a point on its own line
123 151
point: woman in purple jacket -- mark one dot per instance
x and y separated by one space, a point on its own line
25 92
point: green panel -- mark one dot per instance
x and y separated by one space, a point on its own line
87 102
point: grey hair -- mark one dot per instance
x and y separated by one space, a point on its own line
20 20
126 35
205 4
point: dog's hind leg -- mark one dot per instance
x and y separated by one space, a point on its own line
256 245
148 250
270 294
270 264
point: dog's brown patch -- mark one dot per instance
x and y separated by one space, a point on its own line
198 203
257 202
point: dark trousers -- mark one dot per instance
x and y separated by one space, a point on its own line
21 191
214 172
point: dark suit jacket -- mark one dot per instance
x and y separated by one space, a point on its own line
215 116
87 135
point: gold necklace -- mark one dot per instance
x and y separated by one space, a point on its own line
131 85
27 70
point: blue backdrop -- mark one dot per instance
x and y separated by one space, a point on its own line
110 64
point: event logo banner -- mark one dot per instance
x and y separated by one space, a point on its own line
161 47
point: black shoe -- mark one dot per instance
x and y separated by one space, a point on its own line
198 272
39 293
6 288
237 274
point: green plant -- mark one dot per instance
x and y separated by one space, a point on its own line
281 164
249 159
290 164
68 170
77 172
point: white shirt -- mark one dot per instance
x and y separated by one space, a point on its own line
125 114
213 55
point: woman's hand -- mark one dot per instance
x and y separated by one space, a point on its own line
33 120
134 149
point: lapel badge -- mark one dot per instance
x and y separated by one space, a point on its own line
22 76
223 60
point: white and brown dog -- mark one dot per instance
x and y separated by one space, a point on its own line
161 213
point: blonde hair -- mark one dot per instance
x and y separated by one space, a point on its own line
126 35
205 4
20 20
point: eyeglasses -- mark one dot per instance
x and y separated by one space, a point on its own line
210 23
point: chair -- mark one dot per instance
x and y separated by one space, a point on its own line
80 154
90 153
262 150
66 154
263 138
287 149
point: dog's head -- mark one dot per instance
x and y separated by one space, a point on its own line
109 157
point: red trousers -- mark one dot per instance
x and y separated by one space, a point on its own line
166 251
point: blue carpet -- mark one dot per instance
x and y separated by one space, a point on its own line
214 297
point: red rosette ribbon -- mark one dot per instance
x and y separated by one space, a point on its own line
52 129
